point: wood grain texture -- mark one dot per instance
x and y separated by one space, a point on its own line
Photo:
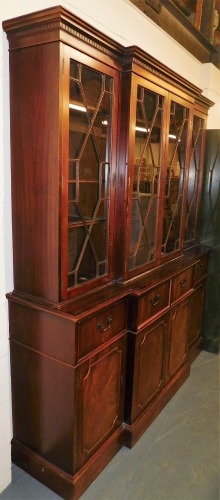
132 433
178 338
43 412
196 301
146 371
34 96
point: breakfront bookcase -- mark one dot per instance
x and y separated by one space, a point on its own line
106 163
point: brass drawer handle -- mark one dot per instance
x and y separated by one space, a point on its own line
102 327
201 265
183 282
155 300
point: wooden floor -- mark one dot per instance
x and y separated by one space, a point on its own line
176 459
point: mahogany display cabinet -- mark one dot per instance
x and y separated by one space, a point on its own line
106 163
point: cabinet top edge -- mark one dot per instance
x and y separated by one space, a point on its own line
165 271
46 15
58 22
103 297
134 55
52 18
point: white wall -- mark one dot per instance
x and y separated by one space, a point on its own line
5 284
122 21
210 83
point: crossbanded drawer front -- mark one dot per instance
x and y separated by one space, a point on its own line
100 328
201 268
153 302
181 284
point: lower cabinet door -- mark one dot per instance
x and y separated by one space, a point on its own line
145 373
196 301
178 338
99 399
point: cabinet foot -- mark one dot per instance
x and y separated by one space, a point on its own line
195 350
134 431
67 486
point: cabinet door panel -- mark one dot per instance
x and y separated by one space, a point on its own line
100 398
91 94
196 300
194 179
148 365
89 160
147 145
178 341
174 180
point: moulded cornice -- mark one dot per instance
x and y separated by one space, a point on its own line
59 24
133 55
52 23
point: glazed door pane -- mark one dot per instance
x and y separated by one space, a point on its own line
194 178
175 176
146 174
90 117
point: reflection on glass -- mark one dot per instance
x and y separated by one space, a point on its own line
90 111
146 172
193 179
175 174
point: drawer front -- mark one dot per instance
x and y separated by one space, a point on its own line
201 268
181 284
153 302
100 328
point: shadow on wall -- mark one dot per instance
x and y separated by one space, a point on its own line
209 233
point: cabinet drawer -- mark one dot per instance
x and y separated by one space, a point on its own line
101 327
153 302
201 268
181 284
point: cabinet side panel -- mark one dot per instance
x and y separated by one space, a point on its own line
43 408
34 93
42 331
